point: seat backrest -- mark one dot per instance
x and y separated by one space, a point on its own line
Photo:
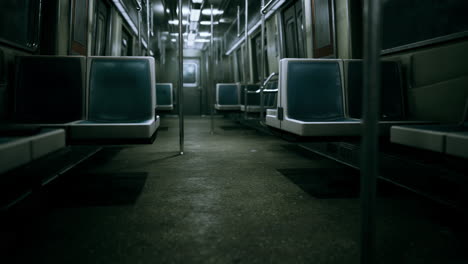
121 89
227 93
164 94
252 98
391 103
313 89
49 89
270 98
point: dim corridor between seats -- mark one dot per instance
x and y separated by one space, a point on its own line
238 196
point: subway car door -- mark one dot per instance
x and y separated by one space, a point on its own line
192 91
293 31
101 30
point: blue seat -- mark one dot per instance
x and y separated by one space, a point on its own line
164 96
253 99
312 101
49 89
121 101
227 96
391 103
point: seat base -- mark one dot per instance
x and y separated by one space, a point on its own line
227 107
114 133
19 150
457 144
165 107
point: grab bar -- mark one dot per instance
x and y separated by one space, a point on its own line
267 6
273 74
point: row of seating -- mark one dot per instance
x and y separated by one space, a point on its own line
61 100
245 98
21 147
322 97
448 139
164 98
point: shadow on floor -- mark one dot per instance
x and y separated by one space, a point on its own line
337 183
81 190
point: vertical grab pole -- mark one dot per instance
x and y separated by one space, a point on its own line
180 98
262 67
138 8
245 53
211 72
370 151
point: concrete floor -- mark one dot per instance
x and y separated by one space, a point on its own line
224 201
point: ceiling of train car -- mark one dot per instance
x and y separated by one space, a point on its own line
196 26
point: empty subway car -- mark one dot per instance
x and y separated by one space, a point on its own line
233 131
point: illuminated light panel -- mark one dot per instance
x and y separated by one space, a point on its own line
207 23
202 40
204 34
185 10
215 11
195 15
197 1
176 22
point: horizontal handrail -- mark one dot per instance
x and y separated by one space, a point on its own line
267 6
264 90
273 74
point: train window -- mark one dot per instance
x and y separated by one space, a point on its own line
100 30
412 23
294 30
24 16
190 73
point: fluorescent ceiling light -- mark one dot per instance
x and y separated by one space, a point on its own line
207 23
195 15
204 34
223 20
176 22
207 11
202 40
197 1
185 10
174 40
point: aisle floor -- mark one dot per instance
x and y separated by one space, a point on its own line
226 200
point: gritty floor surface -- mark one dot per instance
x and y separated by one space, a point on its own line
224 201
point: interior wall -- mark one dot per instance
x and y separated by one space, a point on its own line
273 47
342 29
437 81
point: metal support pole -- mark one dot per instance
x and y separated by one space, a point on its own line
180 98
139 7
211 72
262 67
238 21
370 137
245 54
148 30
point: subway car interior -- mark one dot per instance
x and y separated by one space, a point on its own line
233 131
